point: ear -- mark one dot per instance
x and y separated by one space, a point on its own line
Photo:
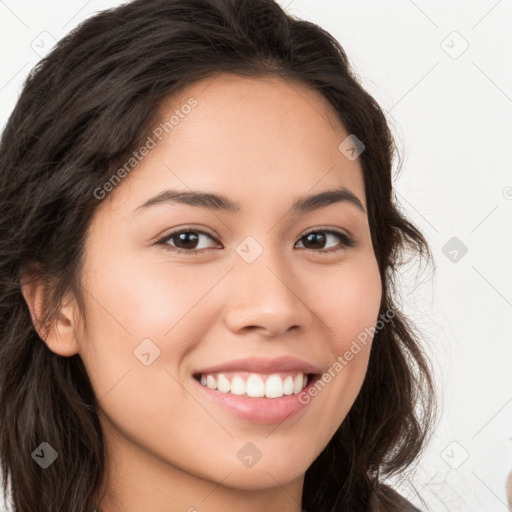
60 336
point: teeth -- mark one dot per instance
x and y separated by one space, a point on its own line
238 386
288 385
223 384
298 384
255 386
274 387
211 382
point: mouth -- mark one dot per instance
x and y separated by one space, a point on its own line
259 398
257 389
273 385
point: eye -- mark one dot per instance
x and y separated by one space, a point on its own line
320 236
186 240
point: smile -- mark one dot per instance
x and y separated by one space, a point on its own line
256 385
257 397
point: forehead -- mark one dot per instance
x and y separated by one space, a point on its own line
255 139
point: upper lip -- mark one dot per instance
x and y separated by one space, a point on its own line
262 365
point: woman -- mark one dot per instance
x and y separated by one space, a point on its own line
171 337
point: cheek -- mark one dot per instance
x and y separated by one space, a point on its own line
142 322
129 303
348 301
348 306
146 297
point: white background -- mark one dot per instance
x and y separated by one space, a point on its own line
451 111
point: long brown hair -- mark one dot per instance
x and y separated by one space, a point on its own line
83 110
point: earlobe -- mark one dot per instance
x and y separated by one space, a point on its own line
60 335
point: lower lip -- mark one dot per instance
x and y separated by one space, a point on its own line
265 411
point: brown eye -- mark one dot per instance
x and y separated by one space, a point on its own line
185 240
317 238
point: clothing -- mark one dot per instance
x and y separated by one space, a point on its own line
405 505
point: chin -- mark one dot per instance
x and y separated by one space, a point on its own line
263 478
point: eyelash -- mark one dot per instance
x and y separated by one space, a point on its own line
346 241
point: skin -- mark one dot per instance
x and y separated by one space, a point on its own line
263 142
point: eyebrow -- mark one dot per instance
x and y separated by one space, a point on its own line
219 202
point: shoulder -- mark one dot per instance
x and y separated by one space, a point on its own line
398 499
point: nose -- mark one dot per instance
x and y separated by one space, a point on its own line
265 296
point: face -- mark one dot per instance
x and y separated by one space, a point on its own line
267 282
